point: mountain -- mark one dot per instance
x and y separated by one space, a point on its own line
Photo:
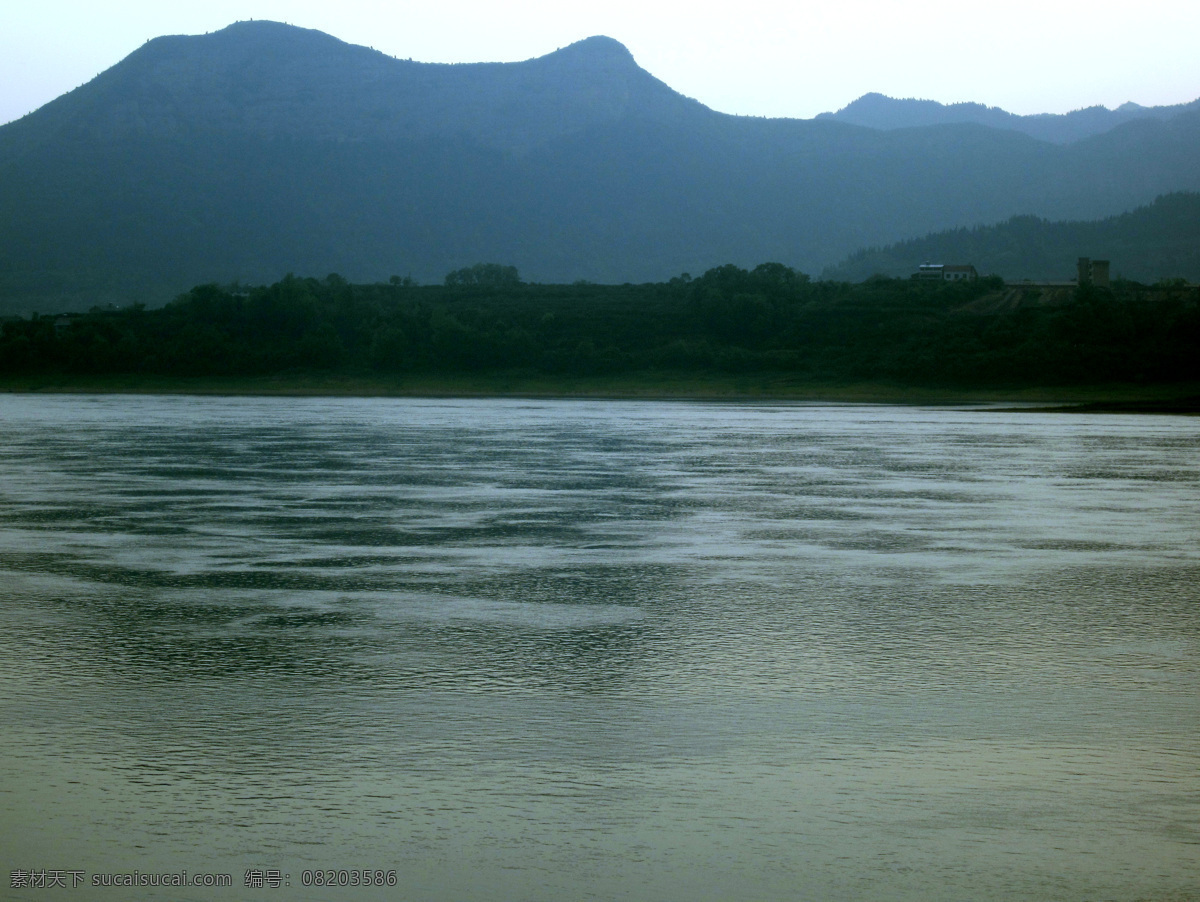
1158 241
264 149
267 80
881 112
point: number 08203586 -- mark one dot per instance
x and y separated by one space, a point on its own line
336 877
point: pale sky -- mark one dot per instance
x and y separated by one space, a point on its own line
751 57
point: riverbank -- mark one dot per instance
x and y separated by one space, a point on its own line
661 385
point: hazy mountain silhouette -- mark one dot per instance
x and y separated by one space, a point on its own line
263 149
881 112
268 80
1154 242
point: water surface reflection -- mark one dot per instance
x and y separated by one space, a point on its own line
546 650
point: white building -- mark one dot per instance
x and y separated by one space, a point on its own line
945 272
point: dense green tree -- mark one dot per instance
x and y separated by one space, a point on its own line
770 319
493 274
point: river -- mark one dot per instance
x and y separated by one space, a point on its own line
552 650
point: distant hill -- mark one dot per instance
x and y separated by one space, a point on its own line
881 112
266 80
264 149
1159 241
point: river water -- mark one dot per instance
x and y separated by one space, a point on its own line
557 650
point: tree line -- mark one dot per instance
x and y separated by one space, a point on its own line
729 320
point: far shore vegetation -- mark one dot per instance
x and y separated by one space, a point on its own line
765 333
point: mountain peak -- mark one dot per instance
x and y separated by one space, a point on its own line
250 32
599 45
259 26
597 51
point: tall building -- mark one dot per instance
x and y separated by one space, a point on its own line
1093 272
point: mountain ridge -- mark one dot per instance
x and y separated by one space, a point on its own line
1158 241
264 149
253 77
878 111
